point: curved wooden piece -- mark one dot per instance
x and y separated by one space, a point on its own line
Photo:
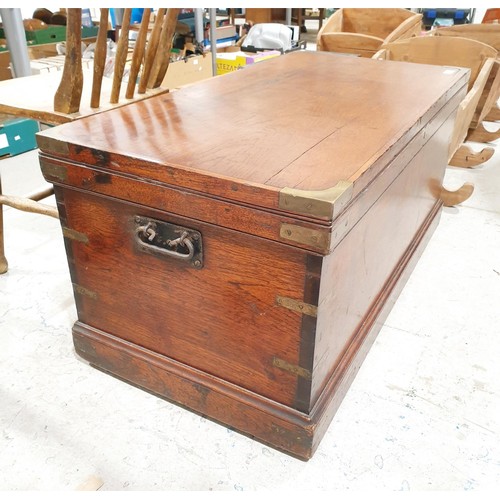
465 157
480 134
489 96
409 28
466 110
452 198
486 33
494 114
351 43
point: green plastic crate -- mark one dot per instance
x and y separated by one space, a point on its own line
89 31
52 34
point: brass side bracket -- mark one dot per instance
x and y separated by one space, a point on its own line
296 370
297 306
314 238
51 145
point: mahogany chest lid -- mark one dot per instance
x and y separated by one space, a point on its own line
302 133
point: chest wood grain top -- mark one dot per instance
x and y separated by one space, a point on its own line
305 125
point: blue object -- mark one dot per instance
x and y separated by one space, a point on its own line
135 16
17 135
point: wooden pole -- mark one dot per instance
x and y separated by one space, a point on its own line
162 58
100 53
69 94
151 50
138 56
121 57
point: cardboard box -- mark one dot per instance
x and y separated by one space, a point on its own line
190 70
232 61
17 135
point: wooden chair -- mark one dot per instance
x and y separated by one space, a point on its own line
452 51
77 93
363 31
488 109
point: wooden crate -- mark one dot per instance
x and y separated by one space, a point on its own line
363 31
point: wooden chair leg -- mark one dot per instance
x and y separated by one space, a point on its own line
69 93
466 158
480 134
452 198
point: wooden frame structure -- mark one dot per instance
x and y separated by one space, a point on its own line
452 51
363 31
488 109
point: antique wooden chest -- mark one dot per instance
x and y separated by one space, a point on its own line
235 246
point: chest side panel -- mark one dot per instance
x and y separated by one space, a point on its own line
359 275
228 319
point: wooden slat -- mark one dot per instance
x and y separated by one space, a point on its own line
467 108
138 56
489 96
485 33
99 59
121 56
151 50
162 57
351 43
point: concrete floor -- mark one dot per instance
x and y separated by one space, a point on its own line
422 414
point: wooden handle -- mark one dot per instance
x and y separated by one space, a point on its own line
138 56
99 59
151 51
121 57
69 93
162 58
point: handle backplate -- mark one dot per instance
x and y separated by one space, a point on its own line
163 239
